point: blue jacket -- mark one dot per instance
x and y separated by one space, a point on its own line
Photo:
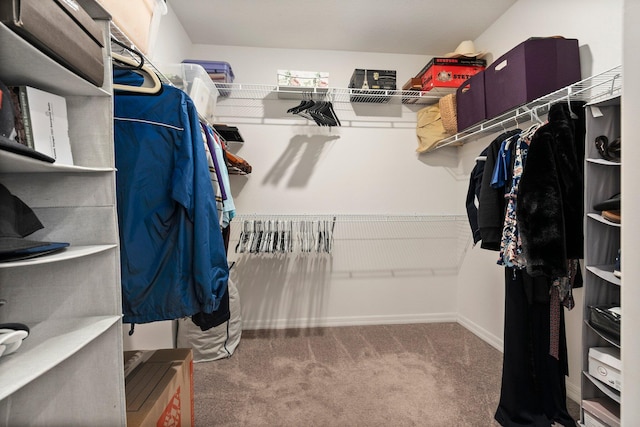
172 254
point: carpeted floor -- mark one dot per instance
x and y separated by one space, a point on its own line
432 374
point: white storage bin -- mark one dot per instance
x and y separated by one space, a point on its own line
605 365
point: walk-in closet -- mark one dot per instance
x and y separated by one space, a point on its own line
255 233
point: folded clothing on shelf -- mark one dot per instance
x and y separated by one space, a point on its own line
17 221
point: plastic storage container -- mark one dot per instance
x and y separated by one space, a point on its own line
220 73
194 80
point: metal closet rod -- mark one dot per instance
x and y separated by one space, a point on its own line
353 217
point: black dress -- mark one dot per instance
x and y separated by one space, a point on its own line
533 389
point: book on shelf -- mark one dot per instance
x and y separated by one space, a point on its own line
42 123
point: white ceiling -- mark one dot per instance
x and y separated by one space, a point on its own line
422 27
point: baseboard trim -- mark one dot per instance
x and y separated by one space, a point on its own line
574 393
482 333
347 321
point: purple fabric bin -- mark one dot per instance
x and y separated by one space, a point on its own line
534 68
470 102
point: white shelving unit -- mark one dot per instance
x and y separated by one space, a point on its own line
69 370
602 238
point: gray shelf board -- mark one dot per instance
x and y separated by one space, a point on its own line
611 393
605 272
69 253
23 64
49 343
16 163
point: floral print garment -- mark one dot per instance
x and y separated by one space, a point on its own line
511 244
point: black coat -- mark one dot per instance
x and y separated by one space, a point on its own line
549 209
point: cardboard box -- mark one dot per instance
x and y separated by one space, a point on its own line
605 365
534 68
601 412
159 387
139 20
414 83
297 78
470 102
62 30
449 72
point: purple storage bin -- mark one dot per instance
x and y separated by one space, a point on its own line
219 71
470 102
534 68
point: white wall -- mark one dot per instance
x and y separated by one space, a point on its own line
368 166
598 27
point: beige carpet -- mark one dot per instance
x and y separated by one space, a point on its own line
434 374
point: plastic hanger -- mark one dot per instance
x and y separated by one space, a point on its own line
573 115
157 85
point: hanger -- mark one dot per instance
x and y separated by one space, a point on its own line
138 67
573 115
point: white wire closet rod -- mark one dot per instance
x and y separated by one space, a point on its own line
598 87
343 218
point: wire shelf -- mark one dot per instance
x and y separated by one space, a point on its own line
333 94
599 87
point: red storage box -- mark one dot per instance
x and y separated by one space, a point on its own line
219 71
470 102
534 68
449 72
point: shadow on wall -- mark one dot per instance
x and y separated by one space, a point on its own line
300 157
283 288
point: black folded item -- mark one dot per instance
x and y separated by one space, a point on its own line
17 220
611 204
7 144
605 319
229 133
609 150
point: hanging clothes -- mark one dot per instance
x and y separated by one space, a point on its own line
538 281
215 147
173 261
511 244
533 389
473 195
550 204
492 202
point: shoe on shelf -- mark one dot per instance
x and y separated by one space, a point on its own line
617 271
613 216
610 204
